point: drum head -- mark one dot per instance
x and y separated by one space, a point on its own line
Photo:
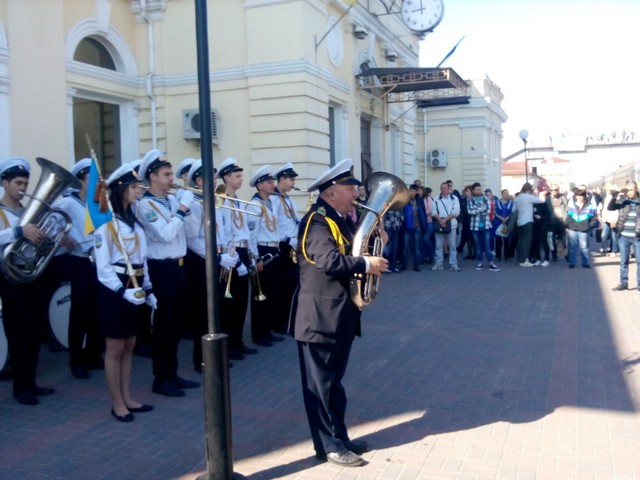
59 308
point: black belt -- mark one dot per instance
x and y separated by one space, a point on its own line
177 261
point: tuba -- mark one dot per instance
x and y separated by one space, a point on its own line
387 192
24 261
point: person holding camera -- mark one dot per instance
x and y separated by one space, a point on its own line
628 228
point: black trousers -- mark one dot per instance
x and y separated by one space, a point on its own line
83 314
264 311
322 367
290 276
234 310
22 315
168 279
197 302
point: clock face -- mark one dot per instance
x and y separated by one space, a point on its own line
422 15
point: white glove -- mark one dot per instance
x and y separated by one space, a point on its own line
242 270
130 296
227 261
293 243
152 301
186 198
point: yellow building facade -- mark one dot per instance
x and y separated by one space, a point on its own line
284 87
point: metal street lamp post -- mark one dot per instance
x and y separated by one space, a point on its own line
523 136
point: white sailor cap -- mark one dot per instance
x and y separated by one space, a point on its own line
229 165
184 166
124 175
136 165
14 167
152 161
264 173
286 171
341 173
81 167
194 172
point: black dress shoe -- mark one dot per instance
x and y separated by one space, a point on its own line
235 354
356 446
95 364
141 409
621 287
184 383
263 343
345 458
276 338
123 418
247 350
27 398
167 388
80 373
42 390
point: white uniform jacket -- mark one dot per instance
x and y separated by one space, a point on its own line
108 253
164 228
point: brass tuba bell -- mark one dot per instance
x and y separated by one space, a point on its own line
387 192
24 261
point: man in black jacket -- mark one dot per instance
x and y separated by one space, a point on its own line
326 320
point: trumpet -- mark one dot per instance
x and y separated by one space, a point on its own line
226 273
255 275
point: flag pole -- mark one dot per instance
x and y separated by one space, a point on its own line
116 228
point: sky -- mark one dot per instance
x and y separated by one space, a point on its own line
564 66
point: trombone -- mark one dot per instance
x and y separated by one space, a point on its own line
220 198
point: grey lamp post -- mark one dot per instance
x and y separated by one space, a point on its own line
523 136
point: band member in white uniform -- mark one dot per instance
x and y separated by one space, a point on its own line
21 304
120 301
164 220
83 319
234 310
195 262
288 223
266 277
182 172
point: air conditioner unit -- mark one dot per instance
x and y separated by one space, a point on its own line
191 124
438 158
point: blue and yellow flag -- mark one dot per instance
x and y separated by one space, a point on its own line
96 215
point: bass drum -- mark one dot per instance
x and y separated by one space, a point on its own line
59 307
4 348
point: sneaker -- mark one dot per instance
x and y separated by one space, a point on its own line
526 263
537 263
619 288
454 268
545 263
493 268
479 266
395 270
437 267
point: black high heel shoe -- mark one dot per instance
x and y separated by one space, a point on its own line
123 418
141 408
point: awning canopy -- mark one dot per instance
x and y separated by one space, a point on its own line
416 84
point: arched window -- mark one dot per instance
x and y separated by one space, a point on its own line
91 51
100 120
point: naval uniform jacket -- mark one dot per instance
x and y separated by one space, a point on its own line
325 312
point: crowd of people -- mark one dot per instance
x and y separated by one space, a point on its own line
536 227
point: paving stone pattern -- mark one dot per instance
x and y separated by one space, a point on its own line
527 373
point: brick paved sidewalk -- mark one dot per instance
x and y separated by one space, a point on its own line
527 373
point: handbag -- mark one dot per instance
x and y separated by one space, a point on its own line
502 230
438 228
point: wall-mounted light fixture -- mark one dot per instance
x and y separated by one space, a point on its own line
360 32
390 54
